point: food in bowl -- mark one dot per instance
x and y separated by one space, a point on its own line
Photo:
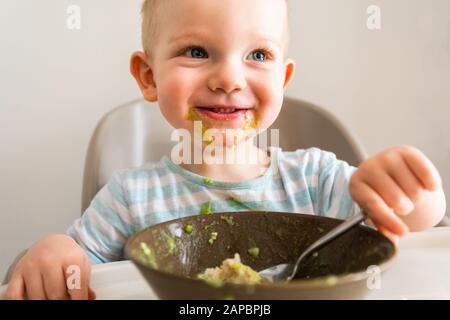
173 255
231 271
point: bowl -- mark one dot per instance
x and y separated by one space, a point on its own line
178 250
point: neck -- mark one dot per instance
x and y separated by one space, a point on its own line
238 163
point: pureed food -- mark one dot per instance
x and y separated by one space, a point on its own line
231 271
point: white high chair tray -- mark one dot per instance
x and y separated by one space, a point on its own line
421 271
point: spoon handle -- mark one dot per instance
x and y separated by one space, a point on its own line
331 235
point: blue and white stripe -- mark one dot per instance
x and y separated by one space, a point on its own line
310 181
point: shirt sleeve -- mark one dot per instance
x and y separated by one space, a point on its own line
333 196
106 224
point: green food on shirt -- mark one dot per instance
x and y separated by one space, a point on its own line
206 208
208 180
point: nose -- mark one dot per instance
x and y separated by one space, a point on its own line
227 77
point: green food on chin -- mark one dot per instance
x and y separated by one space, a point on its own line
192 115
251 123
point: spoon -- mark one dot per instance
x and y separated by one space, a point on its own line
287 271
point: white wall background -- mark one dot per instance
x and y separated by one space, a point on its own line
389 86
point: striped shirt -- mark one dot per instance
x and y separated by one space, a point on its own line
309 181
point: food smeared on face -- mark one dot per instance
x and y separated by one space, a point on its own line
249 128
246 118
251 122
207 135
192 116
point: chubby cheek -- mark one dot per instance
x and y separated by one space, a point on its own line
174 92
270 98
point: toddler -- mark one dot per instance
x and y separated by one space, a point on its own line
224 63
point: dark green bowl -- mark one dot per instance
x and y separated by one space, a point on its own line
338 271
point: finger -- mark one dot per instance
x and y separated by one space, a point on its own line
392 237
91 294
16 288
55 284
407 180
81 292
390 192
369 200
422 168
34 286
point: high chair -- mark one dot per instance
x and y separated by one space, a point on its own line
136 132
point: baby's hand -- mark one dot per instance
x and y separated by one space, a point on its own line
392 184
41 273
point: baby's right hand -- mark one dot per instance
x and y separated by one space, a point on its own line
41 273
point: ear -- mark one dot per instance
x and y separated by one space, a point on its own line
142 72
289 69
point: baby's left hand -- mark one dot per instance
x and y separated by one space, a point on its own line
391 183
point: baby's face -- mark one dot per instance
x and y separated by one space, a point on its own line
221 62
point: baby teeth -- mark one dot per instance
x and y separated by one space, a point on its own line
224 110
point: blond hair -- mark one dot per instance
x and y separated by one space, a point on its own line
150 10
149 28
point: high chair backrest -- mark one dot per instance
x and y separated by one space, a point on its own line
135 133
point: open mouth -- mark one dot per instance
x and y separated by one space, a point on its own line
222 110
222 113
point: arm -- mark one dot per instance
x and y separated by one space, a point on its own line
106 224
98 236
41 272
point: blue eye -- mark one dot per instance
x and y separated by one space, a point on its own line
258 55
196 53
